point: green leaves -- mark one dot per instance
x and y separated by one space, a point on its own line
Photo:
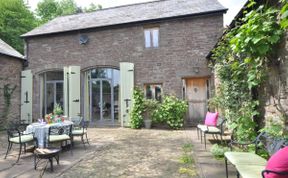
136 114
258 33
15 20
284 15
240 62
171 111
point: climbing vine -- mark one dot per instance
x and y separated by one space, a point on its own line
7 93
136 113
240 62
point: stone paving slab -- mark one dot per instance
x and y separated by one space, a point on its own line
120 152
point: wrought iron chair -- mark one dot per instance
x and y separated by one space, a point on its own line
80 130
60 134
45 153
248 163
17 136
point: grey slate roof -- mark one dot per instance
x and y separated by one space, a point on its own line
160 9
8 50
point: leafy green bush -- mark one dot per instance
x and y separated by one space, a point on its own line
241 62
171 111
218 151
150 106
136 114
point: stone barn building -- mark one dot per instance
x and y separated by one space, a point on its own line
11 63
89 62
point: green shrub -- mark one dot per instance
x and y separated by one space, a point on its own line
172 112
136 114
150 106
218 151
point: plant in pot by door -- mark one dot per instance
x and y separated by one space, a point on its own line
149 106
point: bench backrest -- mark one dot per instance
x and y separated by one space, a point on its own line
270 143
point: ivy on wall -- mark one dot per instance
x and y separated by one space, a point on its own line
241 61
8 91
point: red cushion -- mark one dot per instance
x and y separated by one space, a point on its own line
278 162
211 118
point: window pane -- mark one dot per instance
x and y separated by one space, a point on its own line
59 94
155 37
147 38
158 92
50 76
49 97
148 92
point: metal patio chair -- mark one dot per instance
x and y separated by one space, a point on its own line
16 136
80 130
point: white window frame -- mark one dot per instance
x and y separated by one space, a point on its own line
151 37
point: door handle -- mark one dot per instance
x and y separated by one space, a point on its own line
76 101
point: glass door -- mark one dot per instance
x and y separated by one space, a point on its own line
101 100
53 95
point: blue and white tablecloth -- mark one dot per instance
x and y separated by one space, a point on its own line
40 131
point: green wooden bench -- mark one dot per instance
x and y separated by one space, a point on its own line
249 164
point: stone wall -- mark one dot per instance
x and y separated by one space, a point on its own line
183 45
274 96
10 70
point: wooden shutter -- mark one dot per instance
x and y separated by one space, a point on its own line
65 92
74 91
26 95
126 91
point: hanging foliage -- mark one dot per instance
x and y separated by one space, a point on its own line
240 62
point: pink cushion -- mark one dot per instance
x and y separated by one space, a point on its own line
278 162
211 118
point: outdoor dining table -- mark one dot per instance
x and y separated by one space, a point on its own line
40 131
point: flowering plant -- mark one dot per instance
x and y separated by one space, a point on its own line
55 116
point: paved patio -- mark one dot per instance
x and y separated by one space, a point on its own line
120 152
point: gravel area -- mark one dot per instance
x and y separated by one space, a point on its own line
133 153
113 152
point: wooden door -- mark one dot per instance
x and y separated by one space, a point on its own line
126 91
196 94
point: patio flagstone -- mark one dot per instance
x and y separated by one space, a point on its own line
120 152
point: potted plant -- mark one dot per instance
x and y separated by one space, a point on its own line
149 106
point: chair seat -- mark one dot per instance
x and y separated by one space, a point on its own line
24 139
245 158
201 126
78 132
210 129
56 138
250 171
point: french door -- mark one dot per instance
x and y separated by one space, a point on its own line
101 100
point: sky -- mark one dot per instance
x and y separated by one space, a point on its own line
233 5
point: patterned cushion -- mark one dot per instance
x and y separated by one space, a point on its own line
24 139
57 138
